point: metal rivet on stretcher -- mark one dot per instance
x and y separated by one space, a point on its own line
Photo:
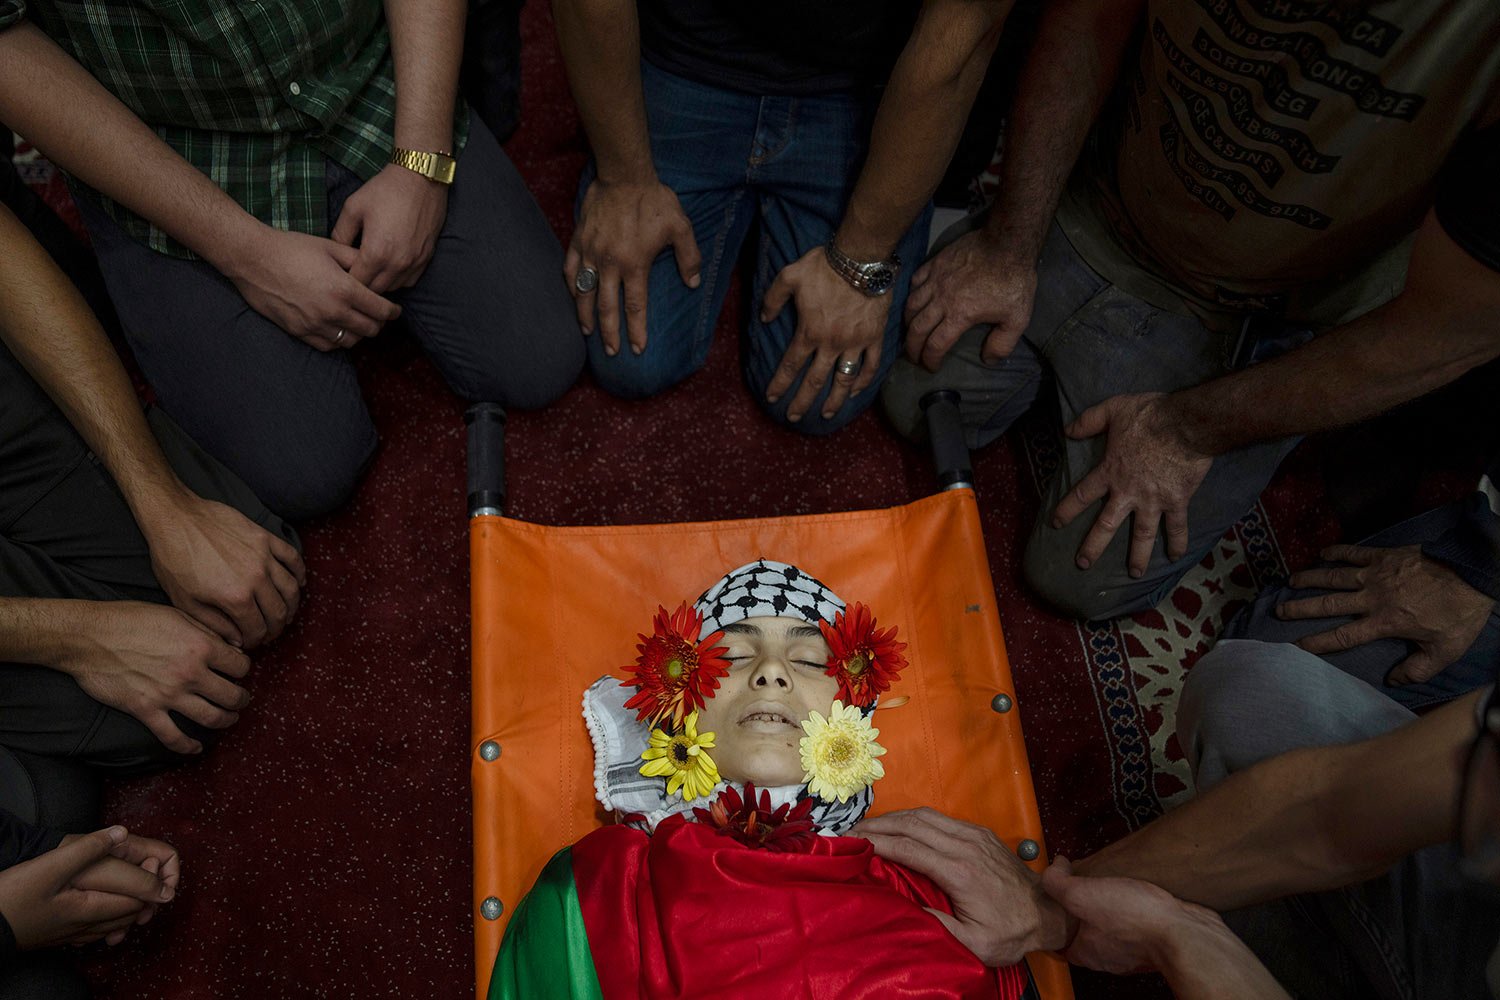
1027 850
491 908
1002 702
489 750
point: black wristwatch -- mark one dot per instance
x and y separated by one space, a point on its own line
875 278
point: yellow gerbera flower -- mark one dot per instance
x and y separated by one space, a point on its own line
683 760
838 753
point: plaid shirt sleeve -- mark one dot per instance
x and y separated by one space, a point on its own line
257 96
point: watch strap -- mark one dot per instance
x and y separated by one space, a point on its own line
438 167
860 274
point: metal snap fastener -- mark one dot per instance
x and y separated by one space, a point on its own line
489 750
295 88
491 908
1028 850
1002 703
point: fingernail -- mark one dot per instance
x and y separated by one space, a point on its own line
1056 523
1281 611
695 281
586 330
637 350
793 417
117 834
1136 574
772 399
764 318
611 351
1083 563
166 893
828 414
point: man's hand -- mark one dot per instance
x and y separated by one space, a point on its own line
973 281
301 283
1147 471
224 570
1392 594
396 217
116 874
621 229
1125 925
77 892
999 910
145 659
835 322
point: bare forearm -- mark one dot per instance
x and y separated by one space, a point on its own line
1305 821
1446 322
919 122
601 47
41 631
427 40
49 328
85 130
1072 67
1205 961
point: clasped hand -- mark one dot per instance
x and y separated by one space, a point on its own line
330 293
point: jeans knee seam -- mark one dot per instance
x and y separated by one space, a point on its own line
704 327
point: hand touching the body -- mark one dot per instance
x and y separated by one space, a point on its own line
303 285
85 889
1000 912
974 281
835 322
1392 594
224 570
147 660
395 217
621 229
1148 473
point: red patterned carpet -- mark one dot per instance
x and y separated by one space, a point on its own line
325 842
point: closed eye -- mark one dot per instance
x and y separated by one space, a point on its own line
811 664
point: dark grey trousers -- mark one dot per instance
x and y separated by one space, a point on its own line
491 311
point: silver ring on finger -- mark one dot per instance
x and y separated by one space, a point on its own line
338 336
847 367
586 280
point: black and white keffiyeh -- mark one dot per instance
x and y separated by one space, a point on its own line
766 589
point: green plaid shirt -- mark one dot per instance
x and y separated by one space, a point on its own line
255 94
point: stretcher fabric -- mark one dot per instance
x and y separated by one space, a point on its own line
555 608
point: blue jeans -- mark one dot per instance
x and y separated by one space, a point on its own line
1372 661
1088 341
1414 933
735 160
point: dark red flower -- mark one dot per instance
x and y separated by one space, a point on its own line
675 672
865 661
754 823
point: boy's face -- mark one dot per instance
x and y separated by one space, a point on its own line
776 679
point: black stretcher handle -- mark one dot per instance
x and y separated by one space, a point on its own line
945 433
486 458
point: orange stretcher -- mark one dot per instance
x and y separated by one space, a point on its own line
554 608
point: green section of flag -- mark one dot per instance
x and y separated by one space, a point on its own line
545 954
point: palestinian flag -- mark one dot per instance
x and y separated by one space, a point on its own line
688 912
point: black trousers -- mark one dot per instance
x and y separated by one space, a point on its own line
66 532
491 312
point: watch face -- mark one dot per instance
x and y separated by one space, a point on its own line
879 279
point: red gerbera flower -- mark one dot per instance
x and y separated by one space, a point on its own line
675 672
755 824
865 661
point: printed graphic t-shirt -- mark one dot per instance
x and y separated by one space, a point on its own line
1272 155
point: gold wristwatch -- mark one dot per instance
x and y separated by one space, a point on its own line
434 166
